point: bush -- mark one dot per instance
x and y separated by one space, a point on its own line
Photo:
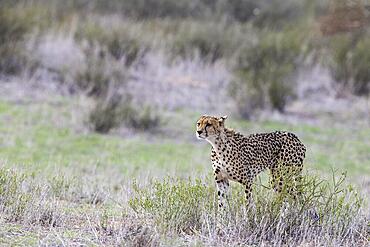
340 66
13 28
361 71
16 23
101 73
349 57
265 71
277 14
239 10
104 80
210 40
121 41
145 118
160 8
323 208
109 113
117 109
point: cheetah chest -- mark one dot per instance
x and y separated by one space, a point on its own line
228 167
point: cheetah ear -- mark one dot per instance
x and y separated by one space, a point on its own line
221 120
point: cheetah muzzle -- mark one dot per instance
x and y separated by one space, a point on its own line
241 158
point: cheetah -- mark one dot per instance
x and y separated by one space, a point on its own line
241 158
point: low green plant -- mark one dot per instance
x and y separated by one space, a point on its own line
13 199
176 205
317 208
21 200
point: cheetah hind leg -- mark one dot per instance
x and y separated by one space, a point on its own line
287 179
248 194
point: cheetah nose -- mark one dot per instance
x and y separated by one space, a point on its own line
199 132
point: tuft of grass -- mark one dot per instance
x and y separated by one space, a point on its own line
176 205
22 200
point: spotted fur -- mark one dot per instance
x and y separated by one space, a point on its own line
241 158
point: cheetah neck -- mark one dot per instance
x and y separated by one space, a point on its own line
221 142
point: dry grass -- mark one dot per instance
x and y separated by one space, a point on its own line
327 213
91 209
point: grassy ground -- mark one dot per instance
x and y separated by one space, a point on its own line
39 134
80 183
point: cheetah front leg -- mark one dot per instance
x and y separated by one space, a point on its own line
222 190
222 183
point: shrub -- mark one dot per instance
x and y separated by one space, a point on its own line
339 66
210 40
109 112
159 8
104 80
13 28
361 71
145 118
265 71
349 57
117 109
323 208
101 72
121 41
16 23
277 14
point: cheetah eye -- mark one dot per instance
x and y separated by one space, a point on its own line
198 124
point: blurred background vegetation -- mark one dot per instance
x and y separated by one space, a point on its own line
98 47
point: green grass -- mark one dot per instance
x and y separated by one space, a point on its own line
40 135
40 143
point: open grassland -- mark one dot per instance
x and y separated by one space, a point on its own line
62 184
38 135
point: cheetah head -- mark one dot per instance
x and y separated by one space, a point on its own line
209 127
